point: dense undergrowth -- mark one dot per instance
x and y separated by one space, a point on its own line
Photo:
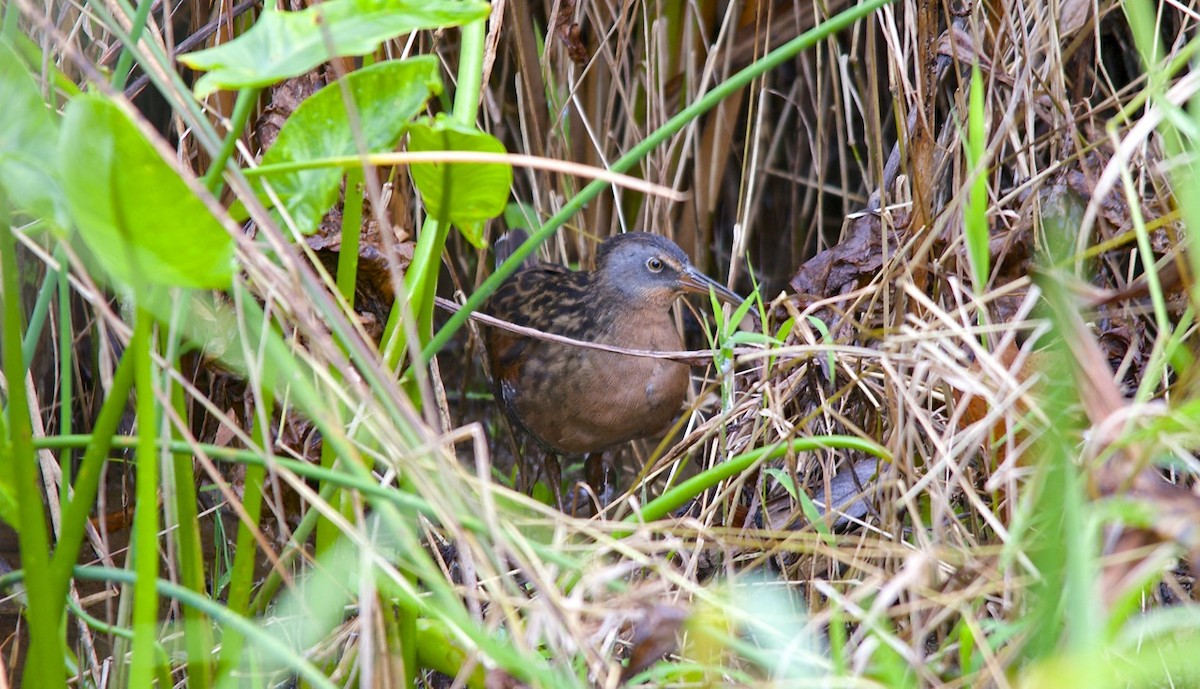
955 445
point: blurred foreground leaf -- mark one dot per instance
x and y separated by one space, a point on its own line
27 143
143 222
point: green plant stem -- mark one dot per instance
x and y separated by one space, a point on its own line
679 495
420 281
975 226
121 73
41 308
347 277
87 482
720 92
470 72
327 531
450 657
270 586
241 580
145 516
347 270
352 212
44 666
263 639
66 374
405 501
197 630
164 661
242 109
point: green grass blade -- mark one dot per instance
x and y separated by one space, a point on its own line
18 459
145 517
975 225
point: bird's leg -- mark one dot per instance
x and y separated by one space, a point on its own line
554 478
521 461
601 477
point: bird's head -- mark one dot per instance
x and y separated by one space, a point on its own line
652 270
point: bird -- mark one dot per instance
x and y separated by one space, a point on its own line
574 400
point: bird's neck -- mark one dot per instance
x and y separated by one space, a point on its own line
633 322
626 295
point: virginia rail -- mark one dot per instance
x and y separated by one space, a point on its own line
575 400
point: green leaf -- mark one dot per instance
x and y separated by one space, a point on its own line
827 338
28 141
811 512
784 478
742 337
785 329
386 97
465 194
889 667
287 44
137 213
739 314
975 213
521 215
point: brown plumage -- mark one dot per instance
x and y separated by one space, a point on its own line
574 400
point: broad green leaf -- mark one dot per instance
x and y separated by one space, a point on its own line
136 212
386 97
287 44
465 194
31 53
28 139
521 215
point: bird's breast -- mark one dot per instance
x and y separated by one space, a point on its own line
579 400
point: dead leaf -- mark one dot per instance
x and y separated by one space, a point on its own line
1072 16
841 268
570 33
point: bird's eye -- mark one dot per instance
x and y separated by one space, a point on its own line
655 264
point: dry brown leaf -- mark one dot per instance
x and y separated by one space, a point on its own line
570 33
841 268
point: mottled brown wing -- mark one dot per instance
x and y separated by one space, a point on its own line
527 299
514 302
